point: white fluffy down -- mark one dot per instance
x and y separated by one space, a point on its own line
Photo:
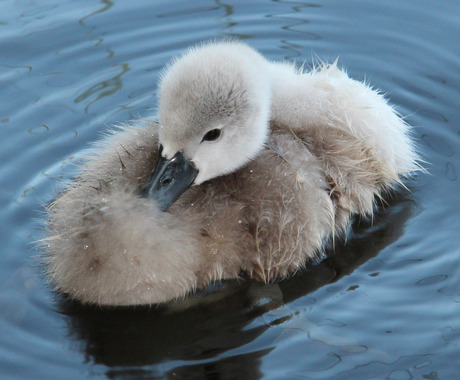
298 155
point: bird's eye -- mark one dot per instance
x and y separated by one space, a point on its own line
212 135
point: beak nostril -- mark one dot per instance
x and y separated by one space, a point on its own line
166 181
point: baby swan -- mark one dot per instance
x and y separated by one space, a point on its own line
252 167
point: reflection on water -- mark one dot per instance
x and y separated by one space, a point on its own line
107 4
228 316
104 88
383 305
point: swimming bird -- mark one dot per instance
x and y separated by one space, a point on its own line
252 168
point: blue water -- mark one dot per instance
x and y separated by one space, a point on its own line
386 305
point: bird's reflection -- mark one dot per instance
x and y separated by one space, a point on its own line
205 326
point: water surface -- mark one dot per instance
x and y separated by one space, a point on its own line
385 305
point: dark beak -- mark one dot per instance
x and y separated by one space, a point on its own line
169 179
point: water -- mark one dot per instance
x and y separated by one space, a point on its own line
384 306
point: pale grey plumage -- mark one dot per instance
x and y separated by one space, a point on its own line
322 156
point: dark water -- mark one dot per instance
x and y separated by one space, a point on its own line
386 305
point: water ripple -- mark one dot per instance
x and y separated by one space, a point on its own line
70 68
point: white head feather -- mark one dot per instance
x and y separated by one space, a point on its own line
221 86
